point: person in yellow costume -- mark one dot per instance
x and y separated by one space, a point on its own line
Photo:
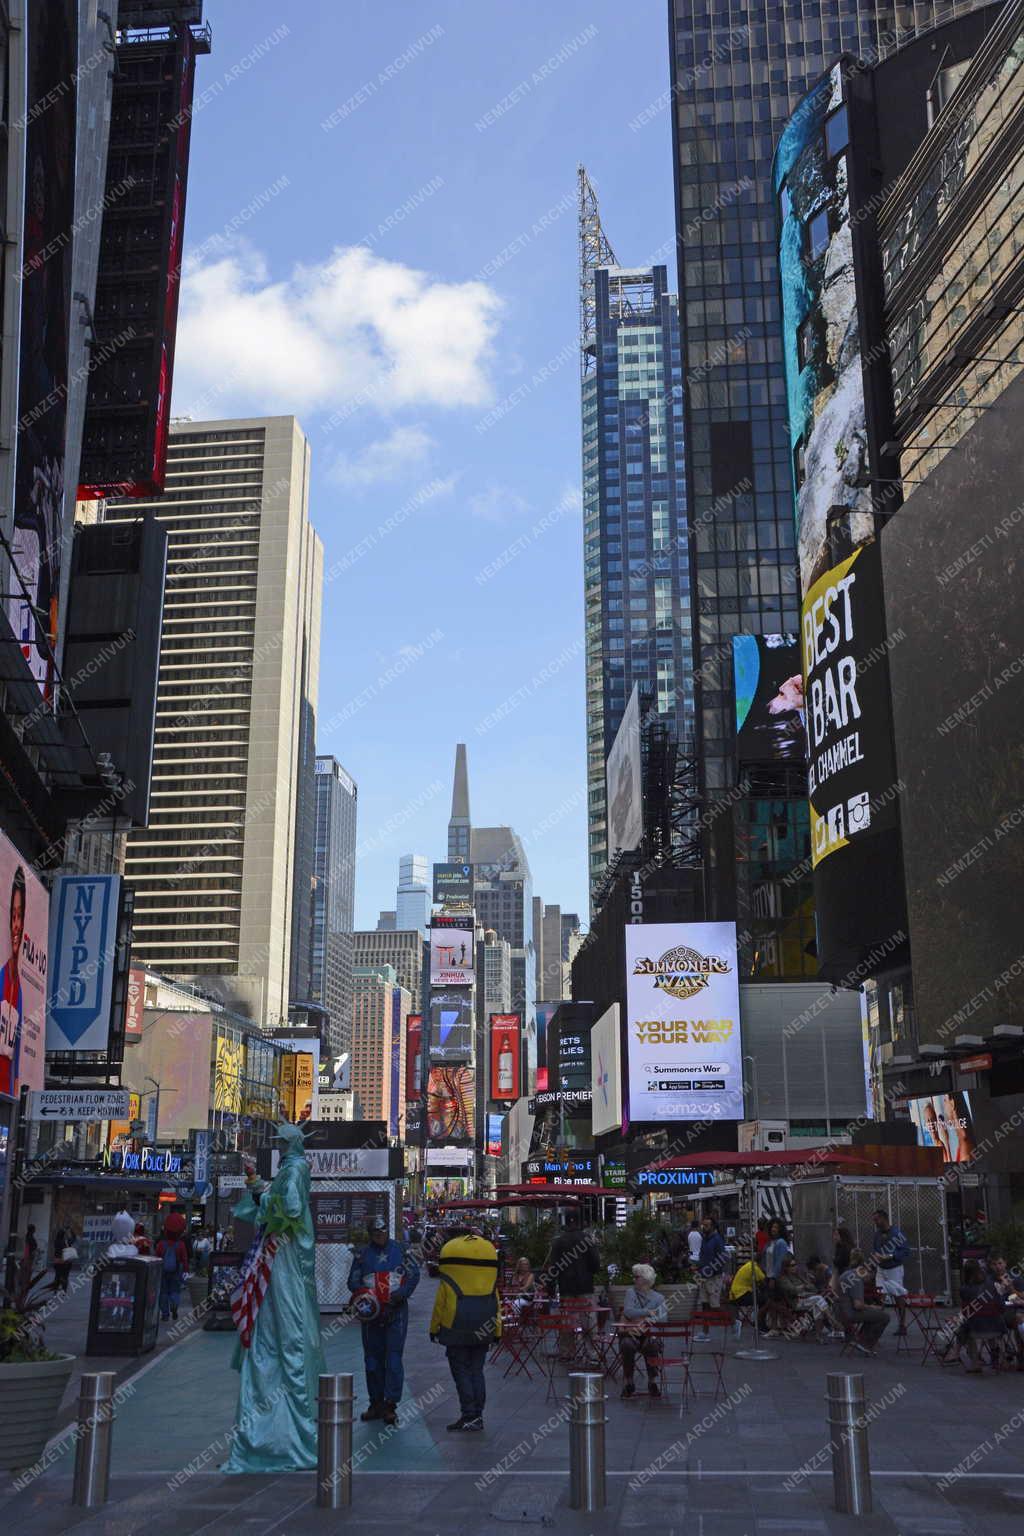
467 1319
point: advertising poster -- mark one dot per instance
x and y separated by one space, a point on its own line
45 287
944 1120
851 769
83 943
451 957
120 1131
544 1012
451 1029
24 950
493 1144
302 1080
227 1075
573 1052
394 1064
685 1056
606 1072
506 1068
413 1056
451 1108
453 882
175 1051
135 1003
625 781
769 695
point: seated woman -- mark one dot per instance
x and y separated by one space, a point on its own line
522 1288
801 1298
854 1310
982 1313
642 1308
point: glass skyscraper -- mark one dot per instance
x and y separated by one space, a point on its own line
738 71
636 572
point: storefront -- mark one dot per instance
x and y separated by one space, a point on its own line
86 1197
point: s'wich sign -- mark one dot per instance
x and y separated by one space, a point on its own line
685 1057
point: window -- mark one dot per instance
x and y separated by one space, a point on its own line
817 235
785 202
837 133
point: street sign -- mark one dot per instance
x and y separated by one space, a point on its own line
79 1104
982 1063
202 1159
229 1182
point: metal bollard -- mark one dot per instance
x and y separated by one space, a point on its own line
93 1439
335 1401
848 1434
586 1441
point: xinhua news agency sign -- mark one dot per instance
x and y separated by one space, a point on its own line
83 945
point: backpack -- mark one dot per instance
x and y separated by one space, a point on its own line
170 1256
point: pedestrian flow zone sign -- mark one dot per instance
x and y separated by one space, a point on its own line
79 1104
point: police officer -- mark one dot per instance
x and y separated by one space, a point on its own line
382 1279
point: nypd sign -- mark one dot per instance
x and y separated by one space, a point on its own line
83 944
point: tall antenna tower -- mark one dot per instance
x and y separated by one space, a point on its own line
595 251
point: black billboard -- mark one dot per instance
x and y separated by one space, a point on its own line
453 882
46 284
768 690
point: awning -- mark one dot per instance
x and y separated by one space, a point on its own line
823 1157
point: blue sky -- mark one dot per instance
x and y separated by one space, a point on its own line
381 239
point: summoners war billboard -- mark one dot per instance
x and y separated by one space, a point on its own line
685 1057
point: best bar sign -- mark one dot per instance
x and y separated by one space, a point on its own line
79 1104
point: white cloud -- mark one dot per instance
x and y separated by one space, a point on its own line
498 504
351 326
389 457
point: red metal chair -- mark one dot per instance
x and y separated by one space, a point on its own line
675 1342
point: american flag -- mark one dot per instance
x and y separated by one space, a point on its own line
252 1287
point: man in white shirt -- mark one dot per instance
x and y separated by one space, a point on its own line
693 1241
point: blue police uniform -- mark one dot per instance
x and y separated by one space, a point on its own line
384 1339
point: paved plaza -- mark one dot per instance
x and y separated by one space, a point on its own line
945 1451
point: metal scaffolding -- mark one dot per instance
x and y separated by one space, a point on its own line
595 251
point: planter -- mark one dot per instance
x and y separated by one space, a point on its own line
31 1393
196 1285
681 1299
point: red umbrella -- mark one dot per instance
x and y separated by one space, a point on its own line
590 1191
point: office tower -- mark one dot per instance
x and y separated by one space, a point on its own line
636 563
334 897
402 949
554 979
412 901
737 72
304 878
538 946
458 825
213 871
380 1007
496 982
387 922
570 935
503 901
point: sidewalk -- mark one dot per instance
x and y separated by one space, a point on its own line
945 1451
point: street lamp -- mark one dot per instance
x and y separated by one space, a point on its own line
757 1092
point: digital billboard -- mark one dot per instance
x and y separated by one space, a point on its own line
297 1083
451 1029
606 1072
229 1056
453 882
26 902
821 332
944 1120
572 1050
685 1056
769 696
413 1056
175 1051
45 290
451 1106
452 957
506 1069
851 768
625 797
83 943
493 1143
136 1001
395 1074
545 1012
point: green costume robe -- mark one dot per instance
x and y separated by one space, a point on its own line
275 1426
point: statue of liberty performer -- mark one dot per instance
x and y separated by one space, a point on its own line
275 1311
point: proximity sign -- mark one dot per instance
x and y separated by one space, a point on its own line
79 1104
682 999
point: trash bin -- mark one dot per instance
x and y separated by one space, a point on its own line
124 1310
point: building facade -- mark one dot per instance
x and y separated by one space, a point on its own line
334 897
380 1007
402 949
503 901
214 871
635 551
412 899
459 823
737 73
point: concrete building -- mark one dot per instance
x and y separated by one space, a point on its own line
495 984
334 897
387 922
380 1007
412 901
214 871
503 900
400 948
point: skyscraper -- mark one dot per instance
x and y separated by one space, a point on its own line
412 901
402 949
503 901
214 870
458 825
636 572
737 72
334 897
379 1010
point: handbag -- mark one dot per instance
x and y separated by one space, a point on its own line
69 1255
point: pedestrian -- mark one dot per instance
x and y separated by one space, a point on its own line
776 1250
30 1249
710 1271
802 1298
890 1251
843 1244
572 1262
642 1309
761 1235
143 1246
381 1279
203 1246
742 1291
466 1320
693 1242
64 1255
173 1256
853 1309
